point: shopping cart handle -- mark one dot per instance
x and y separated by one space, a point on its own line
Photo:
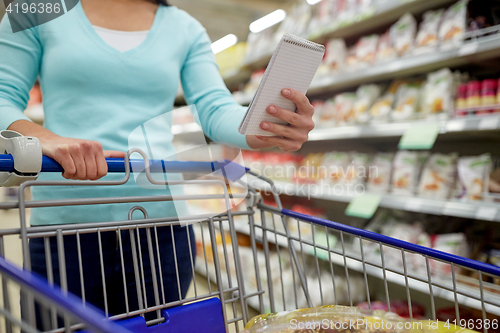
230 170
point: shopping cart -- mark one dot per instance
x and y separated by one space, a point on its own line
253 258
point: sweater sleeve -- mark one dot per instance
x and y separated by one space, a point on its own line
204 88
20 55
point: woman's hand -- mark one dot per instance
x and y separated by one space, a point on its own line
80 159
293 136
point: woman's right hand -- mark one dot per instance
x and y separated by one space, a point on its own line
80 159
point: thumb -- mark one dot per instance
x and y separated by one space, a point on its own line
114 154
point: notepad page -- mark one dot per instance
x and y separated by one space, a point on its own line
293 66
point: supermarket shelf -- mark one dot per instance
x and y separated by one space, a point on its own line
466 124
459 125
480 49
385 14
480 210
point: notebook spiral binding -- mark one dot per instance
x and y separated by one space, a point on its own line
294 40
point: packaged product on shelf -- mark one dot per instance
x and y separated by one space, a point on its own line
438 176
354 172
474 94
379 173
318 106
335 165
382 108
335 56
366 96
328 116
366 50
310 170
450 243
438 93
473 173
325 19
403 34
296 22
427 36
461 102
259 44
488 92
406 104
406 171
385 48
351 60
346 11
453 24
344 108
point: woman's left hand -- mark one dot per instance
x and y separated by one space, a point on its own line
293 136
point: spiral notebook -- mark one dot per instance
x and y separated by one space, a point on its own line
293 65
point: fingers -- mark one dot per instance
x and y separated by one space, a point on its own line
285 131
63 157
77 156
293 118
114 154
302 102
82 160
282 143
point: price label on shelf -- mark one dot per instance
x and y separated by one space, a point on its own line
486 213
469 48
488 123
363 206
420 136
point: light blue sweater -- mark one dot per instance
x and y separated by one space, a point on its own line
92 91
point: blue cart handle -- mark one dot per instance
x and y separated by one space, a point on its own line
230 170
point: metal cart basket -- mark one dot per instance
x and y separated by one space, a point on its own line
250 259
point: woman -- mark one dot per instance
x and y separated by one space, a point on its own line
105 68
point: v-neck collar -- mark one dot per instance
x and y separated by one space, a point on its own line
90 29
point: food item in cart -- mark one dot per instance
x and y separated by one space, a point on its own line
406 172
315 319
473 172
366 50
385 49
438 93
344 108
427 36
366 96
453 24
438 176
379 173
406 104
403 34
